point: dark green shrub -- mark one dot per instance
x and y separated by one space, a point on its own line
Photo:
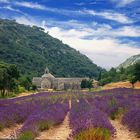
117 113
1 127
86 83
44 125
28 135
94 134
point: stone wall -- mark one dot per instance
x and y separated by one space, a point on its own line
67 83
48 81
37 81
46 84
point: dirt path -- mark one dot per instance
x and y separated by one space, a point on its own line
25 94
10 133
60 132
122 132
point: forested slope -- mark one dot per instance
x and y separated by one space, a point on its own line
31 49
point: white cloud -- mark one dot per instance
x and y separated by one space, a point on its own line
104 52
94 29
34 5
80 4
26 21
30 5
110 15
118 17
4 1
122 3
128 31
8 7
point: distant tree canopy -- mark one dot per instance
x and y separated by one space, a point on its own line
131 73
132 80
11 81
8 76
135 75
136 72
86 83
26 82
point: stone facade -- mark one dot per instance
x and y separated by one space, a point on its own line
48 81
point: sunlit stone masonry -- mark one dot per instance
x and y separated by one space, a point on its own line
48 81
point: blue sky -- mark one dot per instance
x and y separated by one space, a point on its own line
107 31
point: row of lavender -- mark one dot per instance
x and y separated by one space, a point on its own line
43 119
88 122
89 118
17 110
121 104
35 112
33 97
118 91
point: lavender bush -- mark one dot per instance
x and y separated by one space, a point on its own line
132 120
17 110
43 119
117 103
87 122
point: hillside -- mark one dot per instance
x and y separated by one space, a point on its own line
130 61
31 49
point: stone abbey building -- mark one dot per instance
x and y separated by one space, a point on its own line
48 81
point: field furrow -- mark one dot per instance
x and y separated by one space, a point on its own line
122 132
10 133
60 132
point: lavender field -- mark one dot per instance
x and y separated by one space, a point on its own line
90 114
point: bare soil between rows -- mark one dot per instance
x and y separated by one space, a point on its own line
122 132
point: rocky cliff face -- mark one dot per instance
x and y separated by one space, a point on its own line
130 61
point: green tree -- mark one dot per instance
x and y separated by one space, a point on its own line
100 76
135 74
3 79
133 80
106 80
137 71
34 87
13 75
26 82
86 83
8 76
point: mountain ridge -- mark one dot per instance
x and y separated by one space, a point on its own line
130 61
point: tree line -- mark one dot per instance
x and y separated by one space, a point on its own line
11 81
131 73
